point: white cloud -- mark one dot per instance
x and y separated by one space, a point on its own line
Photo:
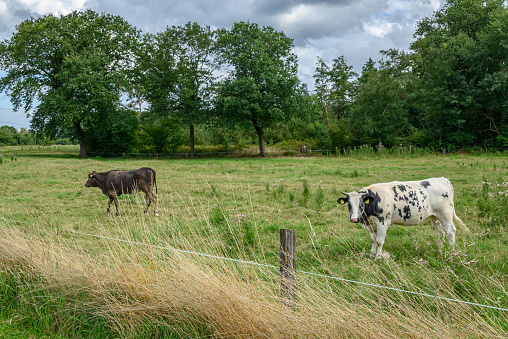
55 7
378 28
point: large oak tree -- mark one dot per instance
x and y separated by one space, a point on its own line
69 74
261 87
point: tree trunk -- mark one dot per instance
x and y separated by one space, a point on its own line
259 131
191 139
83 151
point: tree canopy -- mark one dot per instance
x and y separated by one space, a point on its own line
73 75
262 83
71 71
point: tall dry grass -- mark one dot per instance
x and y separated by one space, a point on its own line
132 286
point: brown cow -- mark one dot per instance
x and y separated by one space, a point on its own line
118 182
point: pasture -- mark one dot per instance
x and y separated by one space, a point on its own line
58 280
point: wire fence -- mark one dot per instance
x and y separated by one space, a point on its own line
365 150
298 271
276 267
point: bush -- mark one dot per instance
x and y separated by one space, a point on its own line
115 134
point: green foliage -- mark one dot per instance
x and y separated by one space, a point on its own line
262 88
8 135
380 113
160 136
278 188
461 56
176 68
72 73
115 135
74 67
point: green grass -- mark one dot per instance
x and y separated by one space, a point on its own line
235 208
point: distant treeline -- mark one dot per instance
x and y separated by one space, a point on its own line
10 136
95 79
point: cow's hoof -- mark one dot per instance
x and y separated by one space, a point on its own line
384 256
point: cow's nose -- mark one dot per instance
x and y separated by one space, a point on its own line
354 220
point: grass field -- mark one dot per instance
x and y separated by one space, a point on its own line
58 282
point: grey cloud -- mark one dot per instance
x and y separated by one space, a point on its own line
276 7
325 28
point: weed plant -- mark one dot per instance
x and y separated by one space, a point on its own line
493 201
305 191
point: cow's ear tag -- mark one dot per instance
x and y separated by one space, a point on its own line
367 201
91 175
342 201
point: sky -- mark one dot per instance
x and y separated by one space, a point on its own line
355 29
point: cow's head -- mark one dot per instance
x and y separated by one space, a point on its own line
92 180
359 204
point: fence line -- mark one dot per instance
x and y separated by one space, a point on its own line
303 151
299 271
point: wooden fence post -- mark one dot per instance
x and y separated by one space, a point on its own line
287 261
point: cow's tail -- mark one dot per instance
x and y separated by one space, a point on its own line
461 223
154 181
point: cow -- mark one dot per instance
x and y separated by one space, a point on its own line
118 182
378 206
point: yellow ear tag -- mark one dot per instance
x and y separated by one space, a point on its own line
91 176
367 201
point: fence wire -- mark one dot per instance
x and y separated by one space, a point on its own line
276 267
298 271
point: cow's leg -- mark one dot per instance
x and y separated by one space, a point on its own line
148 200
380 239
374 246
116 204
154 198
109 203
449 228
150 196
438 228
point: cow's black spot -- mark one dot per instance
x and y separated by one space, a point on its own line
373 208
402 187
407 213
396 195
425 183
445 195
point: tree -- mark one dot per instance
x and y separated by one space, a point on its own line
461 66
261 87
380 111
335 86
72 70
177 67
335 89
8 135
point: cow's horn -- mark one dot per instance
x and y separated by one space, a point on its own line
344 193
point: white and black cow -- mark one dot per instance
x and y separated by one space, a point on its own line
378 206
